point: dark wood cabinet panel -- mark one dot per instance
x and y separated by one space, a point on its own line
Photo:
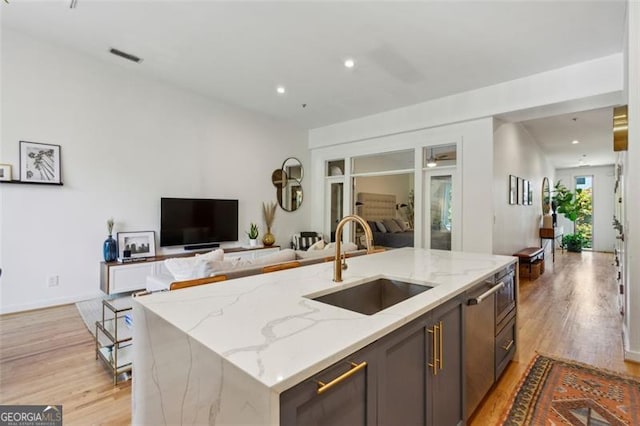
401 377
350 402
447 384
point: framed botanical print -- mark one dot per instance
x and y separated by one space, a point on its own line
39 162
513 189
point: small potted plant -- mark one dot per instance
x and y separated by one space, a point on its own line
253 234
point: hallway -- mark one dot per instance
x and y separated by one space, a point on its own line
570 312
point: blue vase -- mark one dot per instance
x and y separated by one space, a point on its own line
110 250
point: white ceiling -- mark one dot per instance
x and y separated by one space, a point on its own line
406 52
592 129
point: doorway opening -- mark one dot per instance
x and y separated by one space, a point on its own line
584 222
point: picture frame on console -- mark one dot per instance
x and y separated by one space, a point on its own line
5 172
136 244
40 162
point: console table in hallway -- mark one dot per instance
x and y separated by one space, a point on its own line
552 234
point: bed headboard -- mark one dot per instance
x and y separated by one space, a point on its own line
376 206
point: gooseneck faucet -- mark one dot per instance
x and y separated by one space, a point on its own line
337 266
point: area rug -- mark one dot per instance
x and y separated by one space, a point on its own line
557 392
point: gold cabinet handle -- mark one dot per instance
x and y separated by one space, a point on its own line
323 387
440 331
508 346
434 342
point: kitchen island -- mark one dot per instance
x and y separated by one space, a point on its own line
225 353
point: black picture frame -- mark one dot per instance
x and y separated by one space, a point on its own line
40 163
519 186
513 190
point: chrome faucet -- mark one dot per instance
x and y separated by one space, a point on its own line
337 265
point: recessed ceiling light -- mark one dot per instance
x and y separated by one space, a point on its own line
281 90
349 63
575 142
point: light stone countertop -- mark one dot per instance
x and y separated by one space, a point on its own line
265 325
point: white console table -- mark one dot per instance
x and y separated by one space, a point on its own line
126 277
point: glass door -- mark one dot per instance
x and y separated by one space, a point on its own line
440 191
334 195
442 199
336 209
584 221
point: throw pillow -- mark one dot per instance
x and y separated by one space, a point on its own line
318 245
213 255
285 255
372 225
381 226
187 268
391 225
402 224
345 247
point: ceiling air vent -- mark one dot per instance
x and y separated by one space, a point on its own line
125 55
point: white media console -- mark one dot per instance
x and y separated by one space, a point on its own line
125 277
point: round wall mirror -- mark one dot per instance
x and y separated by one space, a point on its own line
287 181
546 196
292 167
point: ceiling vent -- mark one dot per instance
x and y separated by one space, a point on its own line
125 55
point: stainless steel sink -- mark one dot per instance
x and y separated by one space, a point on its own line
373 296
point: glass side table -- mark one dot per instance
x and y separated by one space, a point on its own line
116 327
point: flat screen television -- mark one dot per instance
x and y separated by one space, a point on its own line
197 222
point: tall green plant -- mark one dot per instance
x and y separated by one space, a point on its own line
574 206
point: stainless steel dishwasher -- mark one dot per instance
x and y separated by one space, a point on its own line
480 322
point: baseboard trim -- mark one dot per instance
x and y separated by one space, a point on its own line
48 303
632 356
629 355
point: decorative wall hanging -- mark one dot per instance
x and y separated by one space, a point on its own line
39 162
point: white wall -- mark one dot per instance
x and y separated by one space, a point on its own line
126 142
516 152
604 236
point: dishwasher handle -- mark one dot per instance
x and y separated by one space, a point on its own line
479 299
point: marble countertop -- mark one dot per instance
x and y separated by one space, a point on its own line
268 326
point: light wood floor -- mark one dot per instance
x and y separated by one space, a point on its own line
47 356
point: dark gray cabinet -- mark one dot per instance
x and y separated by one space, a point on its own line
402 378
343 394
413 376
447 378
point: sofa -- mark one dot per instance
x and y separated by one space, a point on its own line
215 266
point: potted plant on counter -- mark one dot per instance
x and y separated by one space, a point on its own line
573 206
253 234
